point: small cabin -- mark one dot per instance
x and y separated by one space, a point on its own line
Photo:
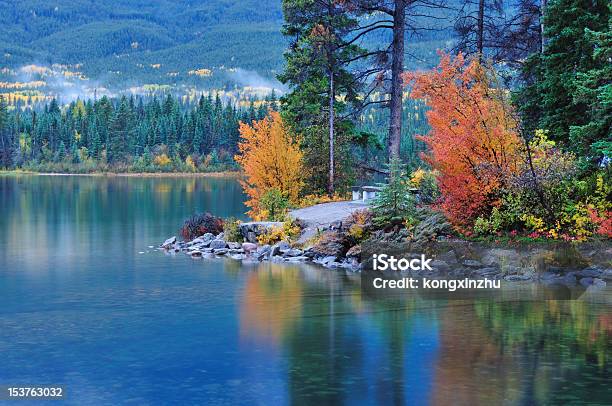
365 193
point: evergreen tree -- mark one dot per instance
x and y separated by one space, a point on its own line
568 78
120 131
394 203
318 74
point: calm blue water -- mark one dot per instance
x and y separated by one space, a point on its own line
86 304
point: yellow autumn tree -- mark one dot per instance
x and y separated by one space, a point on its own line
271 159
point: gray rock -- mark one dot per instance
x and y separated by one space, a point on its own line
169 242
607 274
513 270
309 253
207 237
283 246
326 260
237 257
600 283
440 266
545 276
498 256
234 245
263 252
249 247
236 251
220 251
275 250
251 230
569 278
196 254
217 244
487 271
516 278
449 257
471 263
592 272
219 236
588 281
293 253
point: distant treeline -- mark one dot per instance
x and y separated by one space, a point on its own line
127 133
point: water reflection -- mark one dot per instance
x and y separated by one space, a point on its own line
342 347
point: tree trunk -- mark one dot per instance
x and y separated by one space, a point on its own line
480 33
397 86
332 99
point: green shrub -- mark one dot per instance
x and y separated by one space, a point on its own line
274 205
231 230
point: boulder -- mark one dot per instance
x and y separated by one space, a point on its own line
592 272
330 243
586 282
234 245
263 252
326 260
354 252
217 244
293 253
249 247
251 230
488 271
169 242
196 254
471 263
220 251
207 237
440 266
498 256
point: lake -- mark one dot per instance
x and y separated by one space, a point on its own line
87 304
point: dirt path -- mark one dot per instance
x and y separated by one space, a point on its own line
322 215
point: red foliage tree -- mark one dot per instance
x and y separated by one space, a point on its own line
473 142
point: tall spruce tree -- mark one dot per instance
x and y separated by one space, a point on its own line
322 85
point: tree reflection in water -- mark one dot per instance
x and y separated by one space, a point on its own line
341 346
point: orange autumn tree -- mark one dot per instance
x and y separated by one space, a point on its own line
473 142
271 159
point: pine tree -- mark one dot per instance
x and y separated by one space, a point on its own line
318 74
120 131
394 203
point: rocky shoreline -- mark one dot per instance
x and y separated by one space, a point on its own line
210 246
562 264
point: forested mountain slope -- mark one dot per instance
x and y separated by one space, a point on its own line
141 39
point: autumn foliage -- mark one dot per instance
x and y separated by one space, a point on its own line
271 159
473 142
